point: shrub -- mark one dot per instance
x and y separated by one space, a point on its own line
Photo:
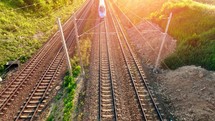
69 88
195 34
76 71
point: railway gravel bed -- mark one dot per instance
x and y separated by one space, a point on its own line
91 101
185 94
133 99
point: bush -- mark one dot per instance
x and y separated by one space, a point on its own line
69 88
195 34
76 71
24 28
50 118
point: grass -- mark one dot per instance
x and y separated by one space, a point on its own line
189 18
193 26
64 111
85 50
23 31
206 1
64 99
69 88
69 85
136 9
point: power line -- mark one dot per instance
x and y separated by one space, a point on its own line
41 24
139 32
27 6
151 25
142 18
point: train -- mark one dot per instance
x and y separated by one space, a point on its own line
102 9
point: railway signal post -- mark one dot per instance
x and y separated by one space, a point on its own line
155 70
65 47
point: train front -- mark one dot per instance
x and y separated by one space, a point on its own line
102 9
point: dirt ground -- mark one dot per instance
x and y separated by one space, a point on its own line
147 44
186 94
191 91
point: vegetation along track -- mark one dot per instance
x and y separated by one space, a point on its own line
43 86
36 100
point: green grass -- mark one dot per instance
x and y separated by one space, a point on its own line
137 9
23 31
193 26
66 96
206 1
69 85
189 18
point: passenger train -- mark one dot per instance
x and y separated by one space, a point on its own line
102 9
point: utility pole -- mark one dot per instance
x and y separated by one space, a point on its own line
162 44
78 46
65 47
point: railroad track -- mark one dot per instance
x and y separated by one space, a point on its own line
148 110
38 97
35 101
11 91
122 94
107 98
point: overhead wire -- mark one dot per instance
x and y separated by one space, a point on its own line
140 33
41 23
150 24
86 32
5 70
142 18
42 18
27 6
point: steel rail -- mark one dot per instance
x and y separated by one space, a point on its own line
143 78
110 59
37 86
37 55
35 66
137 66
127 65
157 29
37 59
100 75
105 61
28 66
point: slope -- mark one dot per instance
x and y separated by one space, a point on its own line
25 25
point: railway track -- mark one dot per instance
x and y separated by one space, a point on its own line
42 88
37 98
35 101
107 98
11 91
148 110
118 79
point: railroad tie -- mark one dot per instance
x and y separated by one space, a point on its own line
107 116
